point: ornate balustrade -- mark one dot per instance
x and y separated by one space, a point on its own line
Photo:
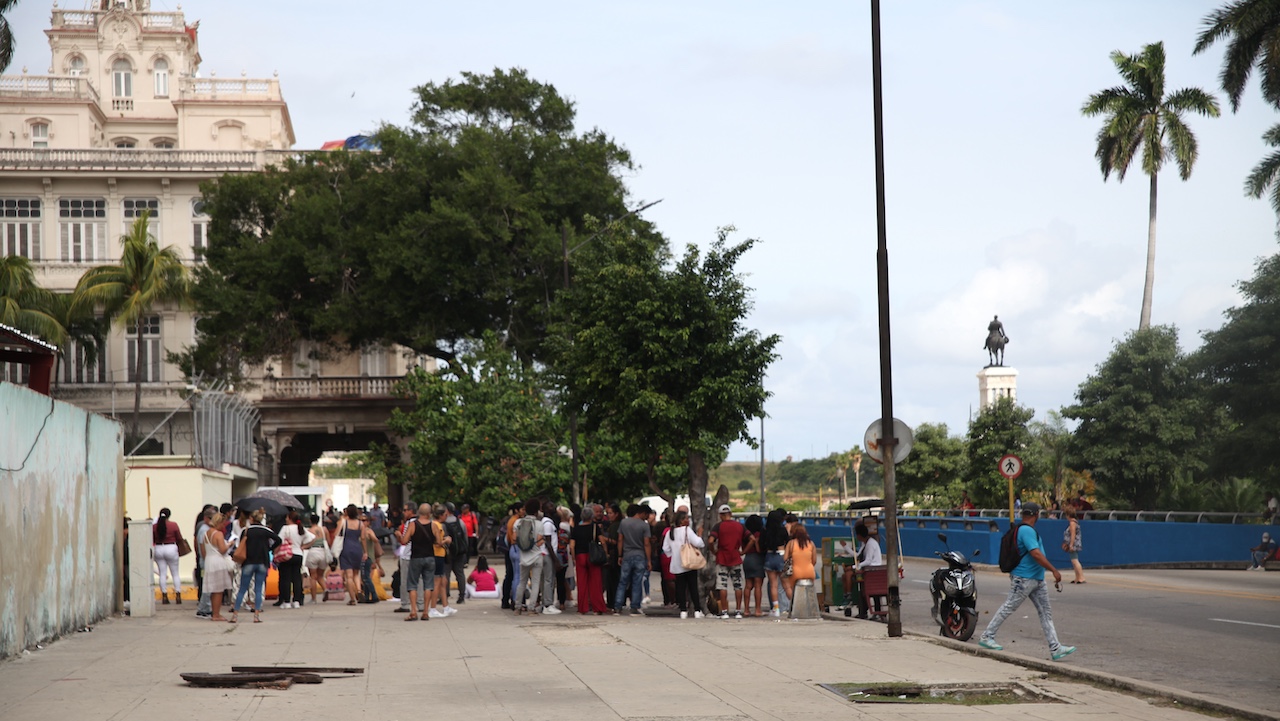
88 19
218 161
47 87
237 89
328 387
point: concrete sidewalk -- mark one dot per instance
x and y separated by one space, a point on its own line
483 663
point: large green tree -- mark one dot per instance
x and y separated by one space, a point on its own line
936 462
662 356
1144 416
452 228
482 428
1242 362
998 429
146 277
1140 117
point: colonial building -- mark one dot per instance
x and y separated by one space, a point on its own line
124 122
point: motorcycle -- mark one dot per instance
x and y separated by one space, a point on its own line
955 594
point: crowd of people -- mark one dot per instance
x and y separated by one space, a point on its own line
598 558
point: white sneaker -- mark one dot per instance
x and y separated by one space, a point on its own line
645 602
697 614
450 610
684 614
435 614
550 611
776 612
724 614
738 615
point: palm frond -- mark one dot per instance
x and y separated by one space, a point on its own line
1182 142
1193 100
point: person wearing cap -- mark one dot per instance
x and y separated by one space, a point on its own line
1262 552
727 540
1027 581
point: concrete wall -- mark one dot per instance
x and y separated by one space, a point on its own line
61 542
176 483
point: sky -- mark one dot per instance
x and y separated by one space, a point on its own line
759 115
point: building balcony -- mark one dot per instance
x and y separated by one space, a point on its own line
230 90
117 397
117 159
328 387
47 87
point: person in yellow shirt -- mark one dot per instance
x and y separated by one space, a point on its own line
441 591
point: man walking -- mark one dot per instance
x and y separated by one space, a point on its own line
417 535
1027 581
635 538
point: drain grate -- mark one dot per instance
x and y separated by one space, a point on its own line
971 694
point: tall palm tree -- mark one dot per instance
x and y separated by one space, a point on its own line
6 34
1139 116
147 276
24 304
82 328
1251 29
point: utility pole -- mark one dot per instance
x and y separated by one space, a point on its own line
764 507
886 367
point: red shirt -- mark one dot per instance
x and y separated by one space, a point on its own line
485 580
471 521
729 535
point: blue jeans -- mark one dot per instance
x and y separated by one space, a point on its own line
257 573
1020 589
634 570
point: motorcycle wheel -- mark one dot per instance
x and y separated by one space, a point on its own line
959 625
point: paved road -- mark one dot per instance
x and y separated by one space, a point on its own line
1215 633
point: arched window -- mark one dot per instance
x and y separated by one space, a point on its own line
75 65
122 78
162 78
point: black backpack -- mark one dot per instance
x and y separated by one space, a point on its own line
1009 556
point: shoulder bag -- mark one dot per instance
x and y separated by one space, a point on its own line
284 552
242 548
690 557
183 547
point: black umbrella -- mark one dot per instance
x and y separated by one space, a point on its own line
288 500
253 503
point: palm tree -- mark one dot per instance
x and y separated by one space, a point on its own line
1139 116
6 34
146 276
82 329
1253 27
24 304
1252 31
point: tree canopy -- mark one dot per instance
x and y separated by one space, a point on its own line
1143 416
454 227
998 429
662 355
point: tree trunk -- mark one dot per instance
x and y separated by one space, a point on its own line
1144 321
137 380
698 511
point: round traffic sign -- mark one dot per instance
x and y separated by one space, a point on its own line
1010 466
901 431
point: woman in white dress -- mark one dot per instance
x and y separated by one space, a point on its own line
218 565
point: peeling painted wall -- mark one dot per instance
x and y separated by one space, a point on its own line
60 518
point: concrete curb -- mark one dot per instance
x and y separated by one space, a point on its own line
1122 683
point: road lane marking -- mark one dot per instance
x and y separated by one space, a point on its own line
1153 586
1245 623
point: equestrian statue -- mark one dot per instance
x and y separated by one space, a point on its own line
996 341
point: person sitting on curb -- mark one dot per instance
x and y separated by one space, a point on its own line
1262 552
1027 581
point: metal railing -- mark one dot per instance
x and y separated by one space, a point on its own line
1095 515
329 387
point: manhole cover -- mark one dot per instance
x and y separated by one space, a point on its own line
972 694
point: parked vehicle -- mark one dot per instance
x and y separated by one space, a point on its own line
955 594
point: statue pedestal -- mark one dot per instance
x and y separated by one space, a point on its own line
996 382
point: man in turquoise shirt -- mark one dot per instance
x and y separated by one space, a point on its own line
1027 581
